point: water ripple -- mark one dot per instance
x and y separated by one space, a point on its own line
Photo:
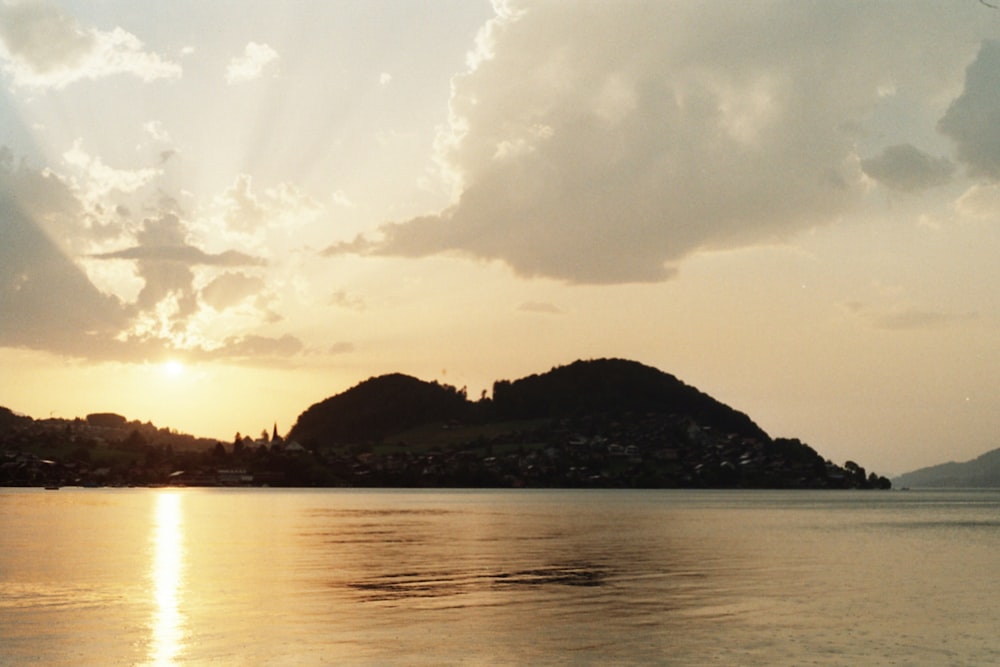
433 584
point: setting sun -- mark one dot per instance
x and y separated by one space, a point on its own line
172 368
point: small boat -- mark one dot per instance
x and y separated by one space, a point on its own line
51 487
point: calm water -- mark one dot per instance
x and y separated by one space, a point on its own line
333 577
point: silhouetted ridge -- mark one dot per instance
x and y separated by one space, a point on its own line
614 386
377 407
382 406
8 418
606 423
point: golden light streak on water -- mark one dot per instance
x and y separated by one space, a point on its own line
167 625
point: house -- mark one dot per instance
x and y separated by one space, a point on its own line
233 476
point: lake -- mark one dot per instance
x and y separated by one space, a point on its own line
486 577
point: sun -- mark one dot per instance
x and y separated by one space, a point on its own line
172 368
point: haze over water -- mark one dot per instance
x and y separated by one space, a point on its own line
293 577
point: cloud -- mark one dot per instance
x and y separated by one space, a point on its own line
44 47
183 254
251 64
341 199
539 307
230 289
258 347
980 201
905 317
906 168
595 145
246 211
102 179
156 131
43 198
165 262
100 193
342 299
973 119
46 301
342 347
243 211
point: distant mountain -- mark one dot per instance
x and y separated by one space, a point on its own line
983 471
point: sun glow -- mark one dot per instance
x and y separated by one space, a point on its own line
172 368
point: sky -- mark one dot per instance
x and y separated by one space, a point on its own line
215 214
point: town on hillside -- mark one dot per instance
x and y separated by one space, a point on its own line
628 451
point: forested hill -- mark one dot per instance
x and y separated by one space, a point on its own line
614 386
603 423
981 472
381 406
378 408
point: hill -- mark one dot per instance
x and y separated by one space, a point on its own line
614 386
981 472
389 404
604 422
377 408
104 448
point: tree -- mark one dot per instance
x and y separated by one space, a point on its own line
877 482
134 442
857 473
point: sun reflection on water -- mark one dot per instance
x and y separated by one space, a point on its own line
167 566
